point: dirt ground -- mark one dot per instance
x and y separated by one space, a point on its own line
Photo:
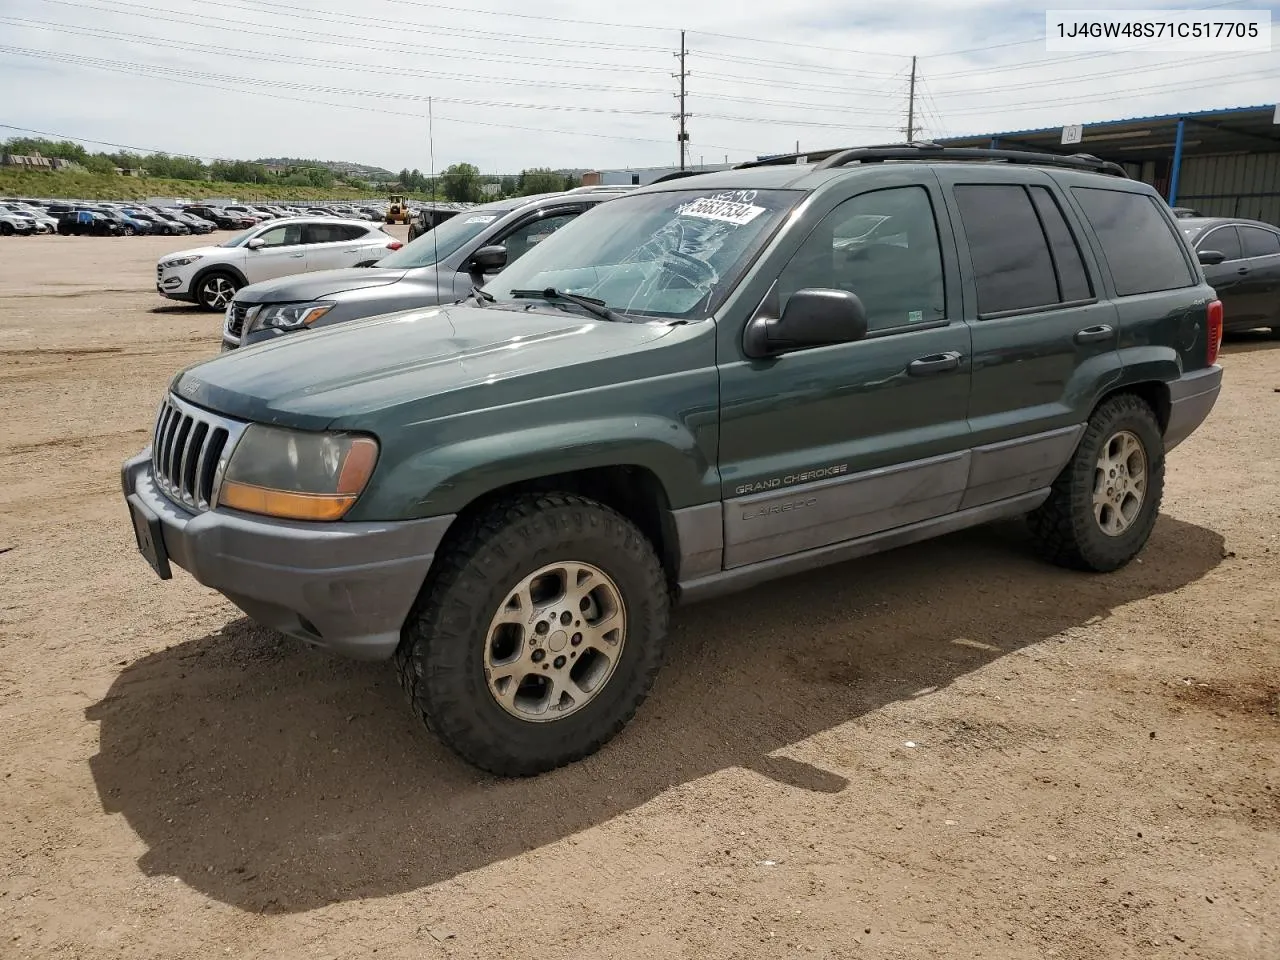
949 751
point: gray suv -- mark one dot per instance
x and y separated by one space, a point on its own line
443 265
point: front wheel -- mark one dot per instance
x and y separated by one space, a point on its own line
6 230
216 290
540 635
1104 504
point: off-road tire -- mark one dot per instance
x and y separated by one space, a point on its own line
1065 529
413 234
205 299
441 657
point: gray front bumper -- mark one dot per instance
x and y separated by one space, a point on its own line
346 587
1191 397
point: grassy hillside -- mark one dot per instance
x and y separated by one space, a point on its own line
82 185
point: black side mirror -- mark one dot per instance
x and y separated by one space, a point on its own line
811 318
1211 258
489 259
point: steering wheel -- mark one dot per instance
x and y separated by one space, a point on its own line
701 270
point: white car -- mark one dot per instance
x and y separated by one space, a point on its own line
13 221
44 222
210 276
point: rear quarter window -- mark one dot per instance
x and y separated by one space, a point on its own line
1144 252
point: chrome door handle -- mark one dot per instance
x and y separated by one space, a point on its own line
296 256
1092 334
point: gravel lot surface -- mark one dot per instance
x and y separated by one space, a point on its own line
949 751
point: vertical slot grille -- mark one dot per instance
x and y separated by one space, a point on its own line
186 449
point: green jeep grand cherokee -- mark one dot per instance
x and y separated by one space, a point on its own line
700 386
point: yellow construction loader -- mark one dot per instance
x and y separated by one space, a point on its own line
398 211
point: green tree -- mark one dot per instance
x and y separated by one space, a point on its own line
63 149
509 186
98 163
461 183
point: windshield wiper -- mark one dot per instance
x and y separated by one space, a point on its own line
593 306
482 296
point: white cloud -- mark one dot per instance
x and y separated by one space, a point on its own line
231 78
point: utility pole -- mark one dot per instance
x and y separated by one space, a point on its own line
682 137
911 104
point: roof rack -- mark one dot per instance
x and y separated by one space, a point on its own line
678 175
827 159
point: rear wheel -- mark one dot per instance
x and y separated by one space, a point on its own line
539 636
1104 504
216 290
6 230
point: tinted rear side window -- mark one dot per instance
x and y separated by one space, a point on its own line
1258 242
1223 240
1142 249
1012 266
1072 277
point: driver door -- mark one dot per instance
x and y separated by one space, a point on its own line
839 442
281 254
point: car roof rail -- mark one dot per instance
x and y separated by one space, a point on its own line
678 175
925 151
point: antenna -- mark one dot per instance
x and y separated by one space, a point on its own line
431 163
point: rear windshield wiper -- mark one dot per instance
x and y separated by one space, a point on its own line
593 306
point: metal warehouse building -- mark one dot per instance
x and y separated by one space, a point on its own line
1218 162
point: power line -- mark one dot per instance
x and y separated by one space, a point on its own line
156 69
257 57
382 111
383 47
270 8
1127 95
108 143
1217 58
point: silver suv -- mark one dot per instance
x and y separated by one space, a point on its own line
210 276
440 266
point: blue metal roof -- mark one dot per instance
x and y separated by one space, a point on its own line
1224 112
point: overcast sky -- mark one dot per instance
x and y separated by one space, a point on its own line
516 85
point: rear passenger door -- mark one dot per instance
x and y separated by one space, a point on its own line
329 246
1044 344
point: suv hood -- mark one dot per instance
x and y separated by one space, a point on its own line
213 251
429 357
303 287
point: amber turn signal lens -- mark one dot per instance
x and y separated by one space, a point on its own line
357 467
284 503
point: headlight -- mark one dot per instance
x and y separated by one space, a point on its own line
288 316
296 475
180 262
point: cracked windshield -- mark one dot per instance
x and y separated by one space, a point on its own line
668 255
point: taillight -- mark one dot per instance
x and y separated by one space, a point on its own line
1213 318
394 245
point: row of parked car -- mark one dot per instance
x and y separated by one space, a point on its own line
273 250
29 217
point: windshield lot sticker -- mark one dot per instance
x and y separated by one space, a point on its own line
479 219
735 208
